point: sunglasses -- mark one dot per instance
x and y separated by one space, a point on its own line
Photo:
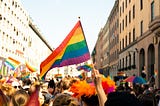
17 87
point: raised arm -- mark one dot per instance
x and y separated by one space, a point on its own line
98 85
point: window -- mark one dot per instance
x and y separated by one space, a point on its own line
122 43
141 4
141 28
134 59
133 11
126 20
126 3
134 34
126 40
120 63
129 59
123 63
123 24
120 11
0 17
152 11
120 28
123 7
129 37
130 16
126 61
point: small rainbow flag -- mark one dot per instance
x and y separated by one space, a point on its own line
73 50
58 75
85 67
30 68
11 63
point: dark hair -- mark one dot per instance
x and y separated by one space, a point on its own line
122 99
147 99
90 101
51 84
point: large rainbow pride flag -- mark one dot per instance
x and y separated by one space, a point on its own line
73 50
11 63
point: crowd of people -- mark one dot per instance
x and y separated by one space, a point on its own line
74 91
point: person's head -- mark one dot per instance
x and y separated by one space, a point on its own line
147 99
19 98
16 85
51 86
122 99
90 101
64 100
3 99
7 89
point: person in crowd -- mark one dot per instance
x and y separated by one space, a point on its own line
50 91
148 99
3 99
26 84
127 88
62 99
84 92
113 98
16 85
19 98
51 86
8 89
87 93
65 85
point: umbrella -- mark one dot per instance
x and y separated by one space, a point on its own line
135 79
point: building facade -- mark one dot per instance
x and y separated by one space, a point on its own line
18 38
138 37
114 39
139 42
98 57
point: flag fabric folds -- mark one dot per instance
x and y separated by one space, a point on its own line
12 63
30 68
85 67
73 50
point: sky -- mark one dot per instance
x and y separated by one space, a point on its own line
56 18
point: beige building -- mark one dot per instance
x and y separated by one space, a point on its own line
19 38
137 32
139 42
114 39
128 34
97 55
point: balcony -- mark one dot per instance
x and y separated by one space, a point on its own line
154 26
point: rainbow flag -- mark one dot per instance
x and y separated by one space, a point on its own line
85 67
11 63
73 50
30 68
58 75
